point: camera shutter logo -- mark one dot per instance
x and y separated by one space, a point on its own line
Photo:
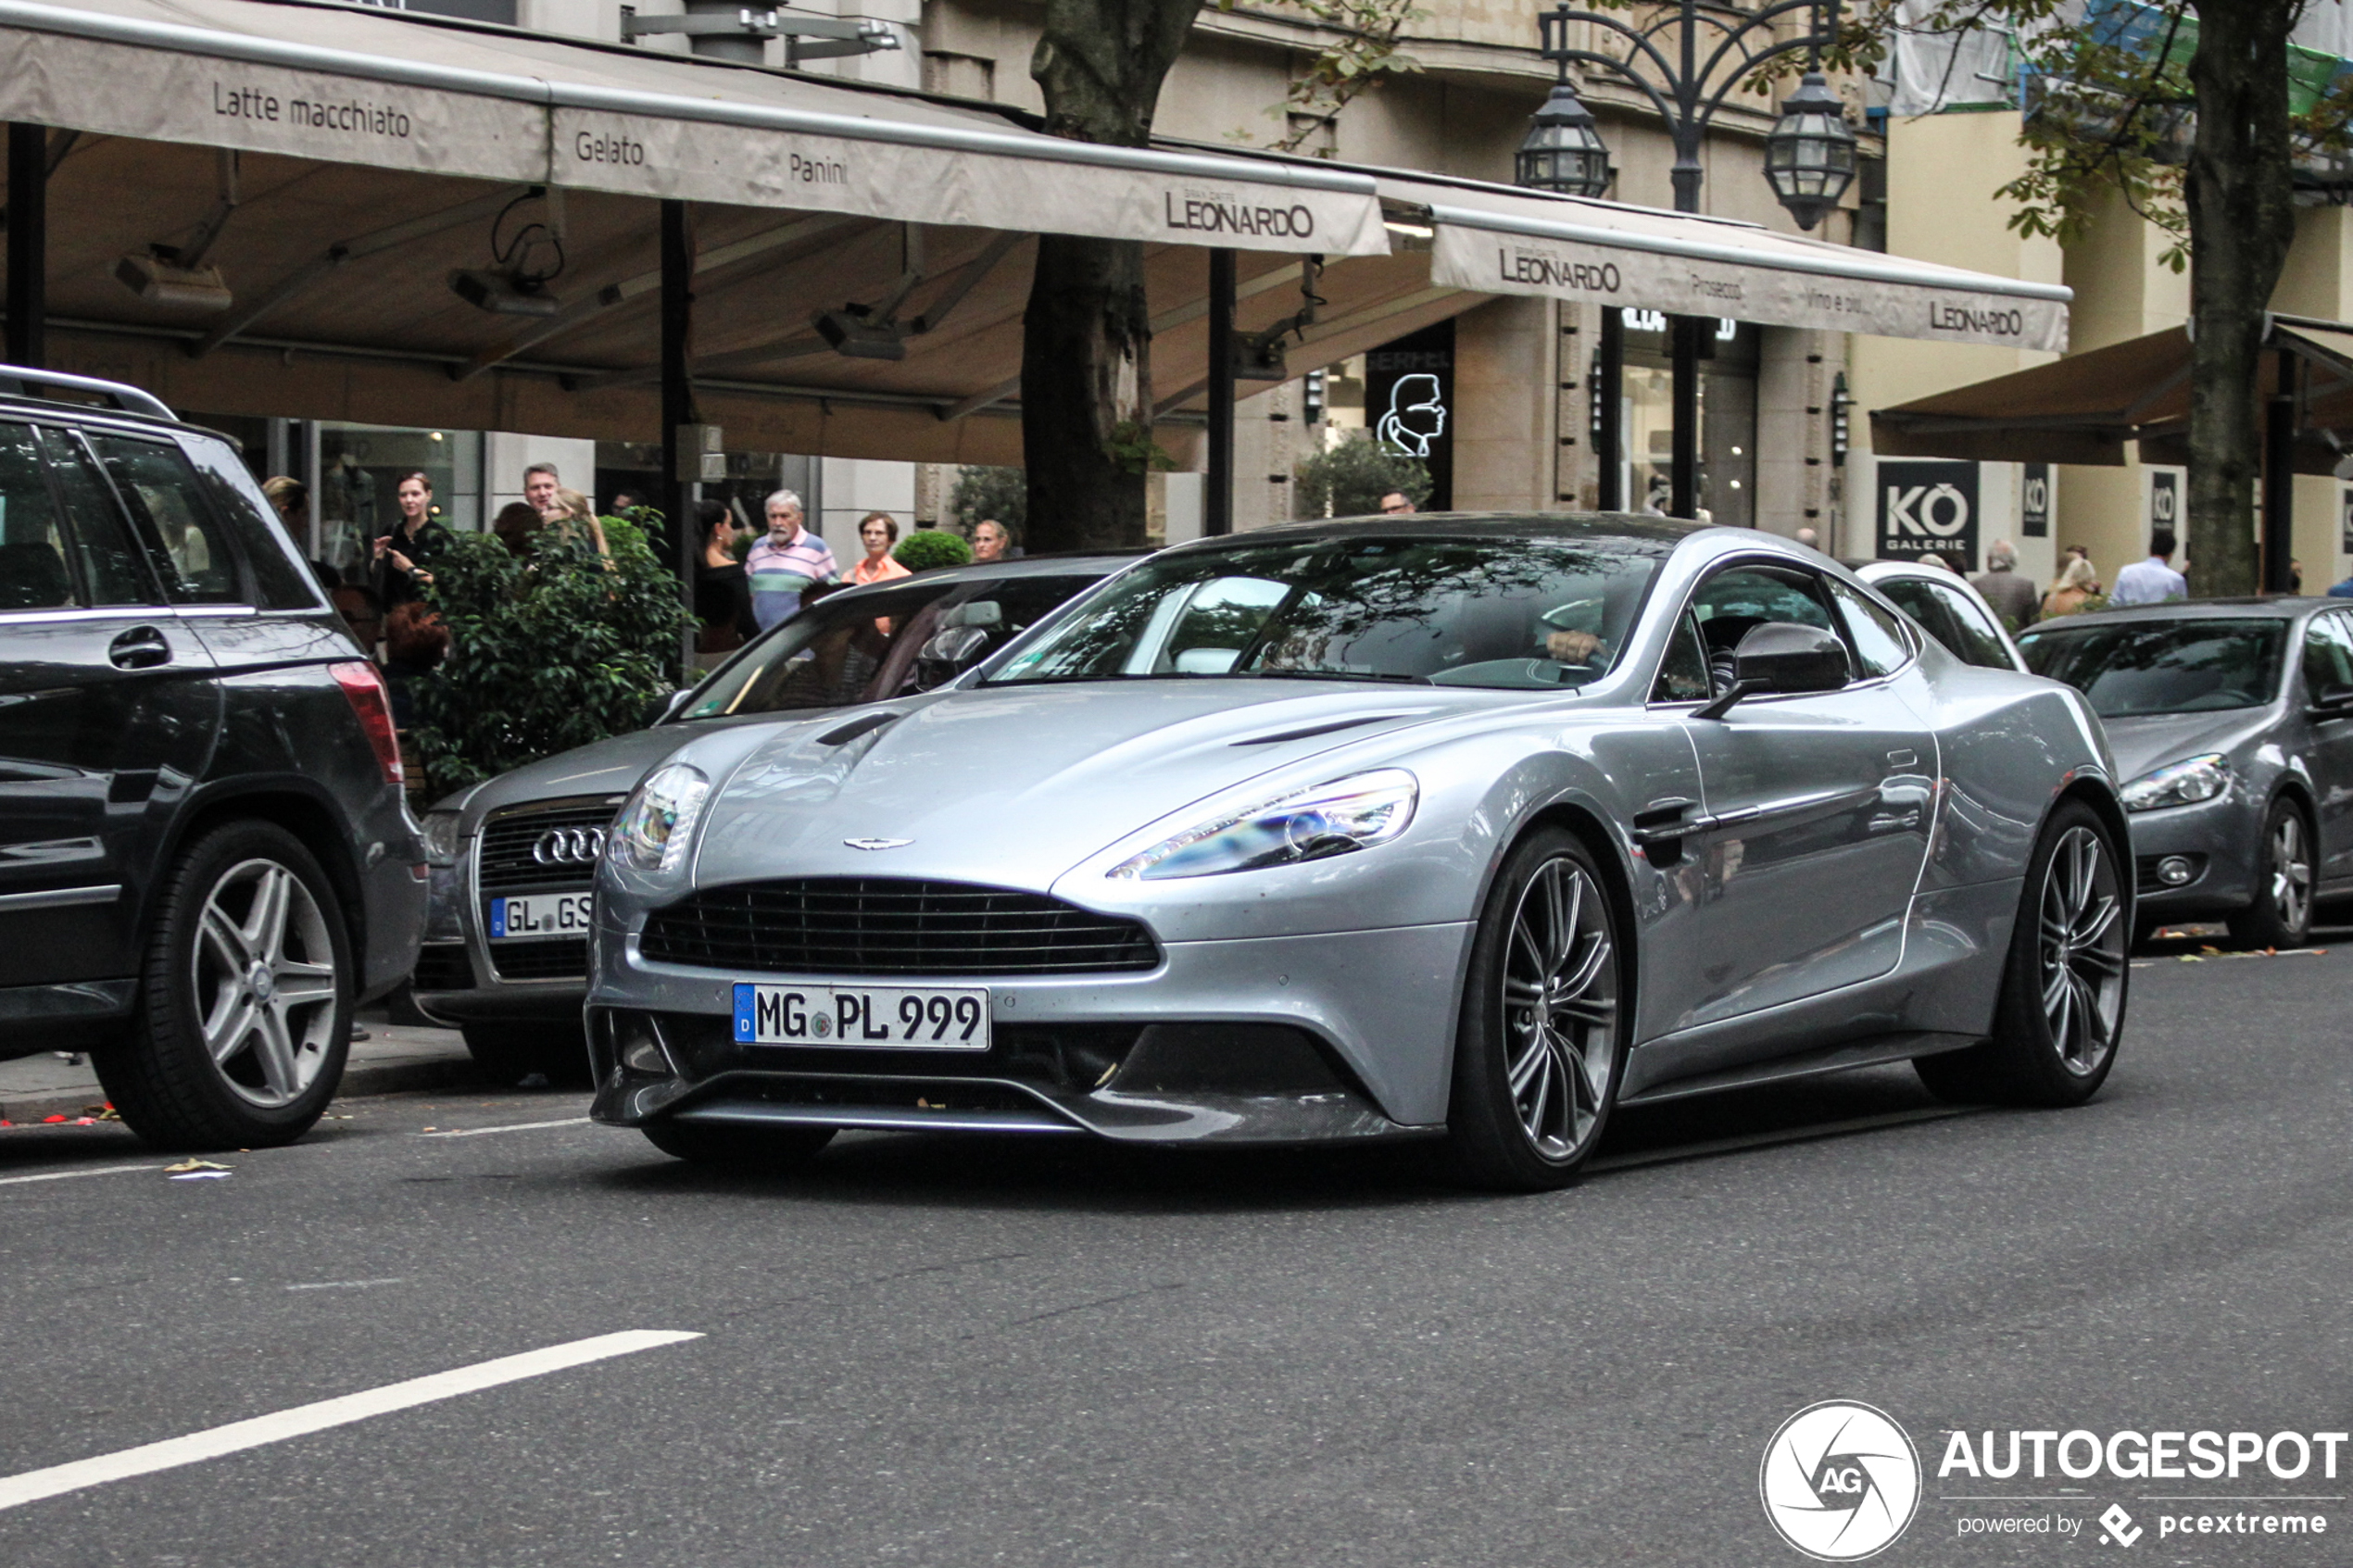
568 846
1841 1481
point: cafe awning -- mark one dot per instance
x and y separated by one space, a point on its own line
351 85
2085 407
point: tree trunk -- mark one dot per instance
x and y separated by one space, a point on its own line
2241 221
1086 369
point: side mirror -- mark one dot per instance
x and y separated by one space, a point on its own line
956 644
1781 656
2333 701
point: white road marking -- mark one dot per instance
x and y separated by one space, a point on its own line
509 1127
303 1420
347 1285
68 1175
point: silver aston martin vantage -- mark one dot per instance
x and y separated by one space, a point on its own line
1446 825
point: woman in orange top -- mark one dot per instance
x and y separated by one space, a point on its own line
878 531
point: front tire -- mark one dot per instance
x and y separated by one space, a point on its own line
746 1150
247 994
2061 1009
2282 913
1540 1047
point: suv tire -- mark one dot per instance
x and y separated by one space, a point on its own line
244 997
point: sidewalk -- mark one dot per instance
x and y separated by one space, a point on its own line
394 1057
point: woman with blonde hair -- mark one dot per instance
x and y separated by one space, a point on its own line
569 510
2076 583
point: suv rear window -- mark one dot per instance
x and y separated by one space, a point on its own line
280 580
191 549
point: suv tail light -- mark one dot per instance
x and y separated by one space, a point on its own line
364 689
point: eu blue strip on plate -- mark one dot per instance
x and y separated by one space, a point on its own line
743 1013
497 916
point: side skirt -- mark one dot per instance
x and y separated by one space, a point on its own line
1872 1052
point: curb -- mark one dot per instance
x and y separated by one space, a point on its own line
367 1078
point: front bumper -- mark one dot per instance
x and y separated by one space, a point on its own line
2220 838
1272 1040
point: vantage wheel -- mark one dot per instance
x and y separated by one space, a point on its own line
1541 1047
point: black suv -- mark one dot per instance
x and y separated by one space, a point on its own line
205 857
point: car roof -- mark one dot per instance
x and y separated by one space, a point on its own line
1649 529
1098 564
2269 607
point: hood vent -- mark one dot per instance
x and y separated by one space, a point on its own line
1330 727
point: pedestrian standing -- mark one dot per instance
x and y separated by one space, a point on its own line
2012 596
2154 581
787 559
404 555
540 482
290 499
992 541
575 520
2076 583
877 531
722 592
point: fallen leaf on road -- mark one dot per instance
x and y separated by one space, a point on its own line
47 1121
186 1165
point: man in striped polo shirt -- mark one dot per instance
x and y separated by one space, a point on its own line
786 561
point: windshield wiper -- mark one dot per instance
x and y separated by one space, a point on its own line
1334 675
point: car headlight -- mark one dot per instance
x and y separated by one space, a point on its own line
1313 825
2178 784
659 821
442 837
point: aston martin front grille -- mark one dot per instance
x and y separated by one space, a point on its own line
883 925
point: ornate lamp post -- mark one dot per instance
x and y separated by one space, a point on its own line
1687 61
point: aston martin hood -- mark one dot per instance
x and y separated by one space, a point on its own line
1013 785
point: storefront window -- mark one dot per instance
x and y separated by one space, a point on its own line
1727 415
360 466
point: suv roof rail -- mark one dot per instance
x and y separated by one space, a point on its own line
21 379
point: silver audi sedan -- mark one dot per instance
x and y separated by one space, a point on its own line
1472 827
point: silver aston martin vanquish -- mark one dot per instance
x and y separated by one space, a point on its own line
1470 826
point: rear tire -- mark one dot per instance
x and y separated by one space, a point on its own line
245 999
752 1151
2282 913
1540 1047
2061 1011
507 1053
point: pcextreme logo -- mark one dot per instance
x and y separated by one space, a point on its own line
1841 1481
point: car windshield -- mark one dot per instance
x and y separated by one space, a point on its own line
2136 667
1529 613
843 650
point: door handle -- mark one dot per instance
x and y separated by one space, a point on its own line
142 647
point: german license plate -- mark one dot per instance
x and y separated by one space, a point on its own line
543 914
930 1018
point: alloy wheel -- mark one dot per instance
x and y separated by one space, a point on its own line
2083 947
263 971
1560 1008
2291 874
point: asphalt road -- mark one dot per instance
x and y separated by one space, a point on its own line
946 1352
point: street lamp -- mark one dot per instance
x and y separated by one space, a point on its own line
1810 154
1564 154
1688 60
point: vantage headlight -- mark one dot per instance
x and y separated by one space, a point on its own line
1313 824
659 821
2178 784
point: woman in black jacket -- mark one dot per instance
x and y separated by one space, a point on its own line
402 554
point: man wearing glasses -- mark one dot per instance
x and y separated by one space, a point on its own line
1396 504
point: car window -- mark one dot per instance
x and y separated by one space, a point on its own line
1682 674
1924 605
1873 635
1511 613
112 571
1981 641
191 548
33 549
280 582
2187 666
2328 653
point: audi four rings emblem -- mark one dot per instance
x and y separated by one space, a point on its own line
568 846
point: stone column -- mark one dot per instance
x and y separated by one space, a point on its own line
1506 371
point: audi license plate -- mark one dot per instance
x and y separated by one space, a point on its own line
542 914
933 1018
